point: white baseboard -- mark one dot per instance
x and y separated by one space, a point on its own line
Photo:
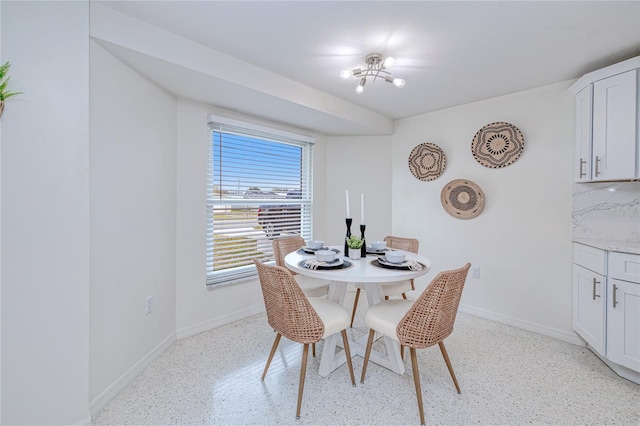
85 422
194 329
98 403
566 336
620 370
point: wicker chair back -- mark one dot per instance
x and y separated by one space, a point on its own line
430 319
288 309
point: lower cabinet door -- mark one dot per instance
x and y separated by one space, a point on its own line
623 323
589 307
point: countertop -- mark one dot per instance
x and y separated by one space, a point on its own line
610 245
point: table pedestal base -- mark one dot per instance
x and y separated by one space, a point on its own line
331 360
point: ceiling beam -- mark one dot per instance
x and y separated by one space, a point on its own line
194 71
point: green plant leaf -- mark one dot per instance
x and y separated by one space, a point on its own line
4 82
354 242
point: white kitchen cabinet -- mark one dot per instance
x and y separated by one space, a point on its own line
589 295
589 307
614 150
606 306
584 103
607 117
623 310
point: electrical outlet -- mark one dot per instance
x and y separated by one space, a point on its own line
148 305
475 271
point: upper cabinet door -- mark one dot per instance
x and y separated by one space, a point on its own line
614 127
584 102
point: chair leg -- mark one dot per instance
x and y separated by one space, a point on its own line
313 350
347 353
404 295
402 352
303 371
273 351
367 353
416 380
355 306
446 359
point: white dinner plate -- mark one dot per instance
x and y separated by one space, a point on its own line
372 251
312 250
334 264
384 261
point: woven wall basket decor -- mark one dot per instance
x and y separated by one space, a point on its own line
462 199
497 145
427 161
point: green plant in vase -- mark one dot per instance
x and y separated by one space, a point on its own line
354 243
4 83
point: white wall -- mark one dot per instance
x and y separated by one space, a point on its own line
521 240
45 214
0 235
362 165
133 222
148 223
146 233
199 308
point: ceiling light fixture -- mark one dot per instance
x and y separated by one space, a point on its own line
376 67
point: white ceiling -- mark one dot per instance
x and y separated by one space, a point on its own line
450 53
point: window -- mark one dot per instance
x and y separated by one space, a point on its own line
259 188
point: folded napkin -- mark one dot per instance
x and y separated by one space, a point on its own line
315 264
414 266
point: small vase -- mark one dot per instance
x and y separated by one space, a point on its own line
354 253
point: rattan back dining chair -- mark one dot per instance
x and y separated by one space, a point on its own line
397 288
420 324
312 287
298 318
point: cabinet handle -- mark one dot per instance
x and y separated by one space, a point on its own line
594 289
582 172
615 289
597 163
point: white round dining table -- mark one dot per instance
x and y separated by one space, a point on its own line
360 271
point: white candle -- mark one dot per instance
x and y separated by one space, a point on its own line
347 199
361 209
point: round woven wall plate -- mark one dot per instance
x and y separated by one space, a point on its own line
427 161
497 145
462 199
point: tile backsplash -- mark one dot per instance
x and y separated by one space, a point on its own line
607 211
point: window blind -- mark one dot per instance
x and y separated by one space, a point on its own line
259 188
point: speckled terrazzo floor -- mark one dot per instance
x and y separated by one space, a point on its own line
508 376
